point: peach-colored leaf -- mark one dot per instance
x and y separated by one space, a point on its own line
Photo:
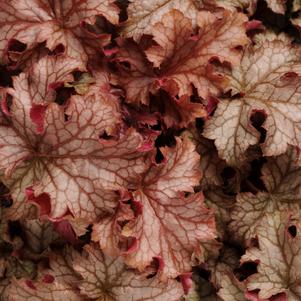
277 6
211 164
268 82
167 224
22 290
105 278
139 80
143 15
186 59
278 258
281 178
69 162
222 204
248 5
56 22
38 235
61 266
108 233
48 72
183 60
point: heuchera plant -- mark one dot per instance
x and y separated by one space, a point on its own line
150 150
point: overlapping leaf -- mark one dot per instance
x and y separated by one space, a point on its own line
211 164
231 289
183 58
268 82
56 23
248 5
38 235
281 176
22 290
68 162
105 278
278 7
167 225
143 15
93 124
48 73
278 258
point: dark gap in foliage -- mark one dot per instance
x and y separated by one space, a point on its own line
6 249
86 238
245 270
157 127
229 244
102 26
6 76
167 138
123 4
59 49
292 230
294 32
258 117
152 275
113 66
122 223
3 189
63 94
200 123
291 29
6 201
126 65
77 75
66 117
228 175
157 102
253 182
276 22
16 46
203 273
195 98
15 229
159 156
105 136
154 267
7 103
